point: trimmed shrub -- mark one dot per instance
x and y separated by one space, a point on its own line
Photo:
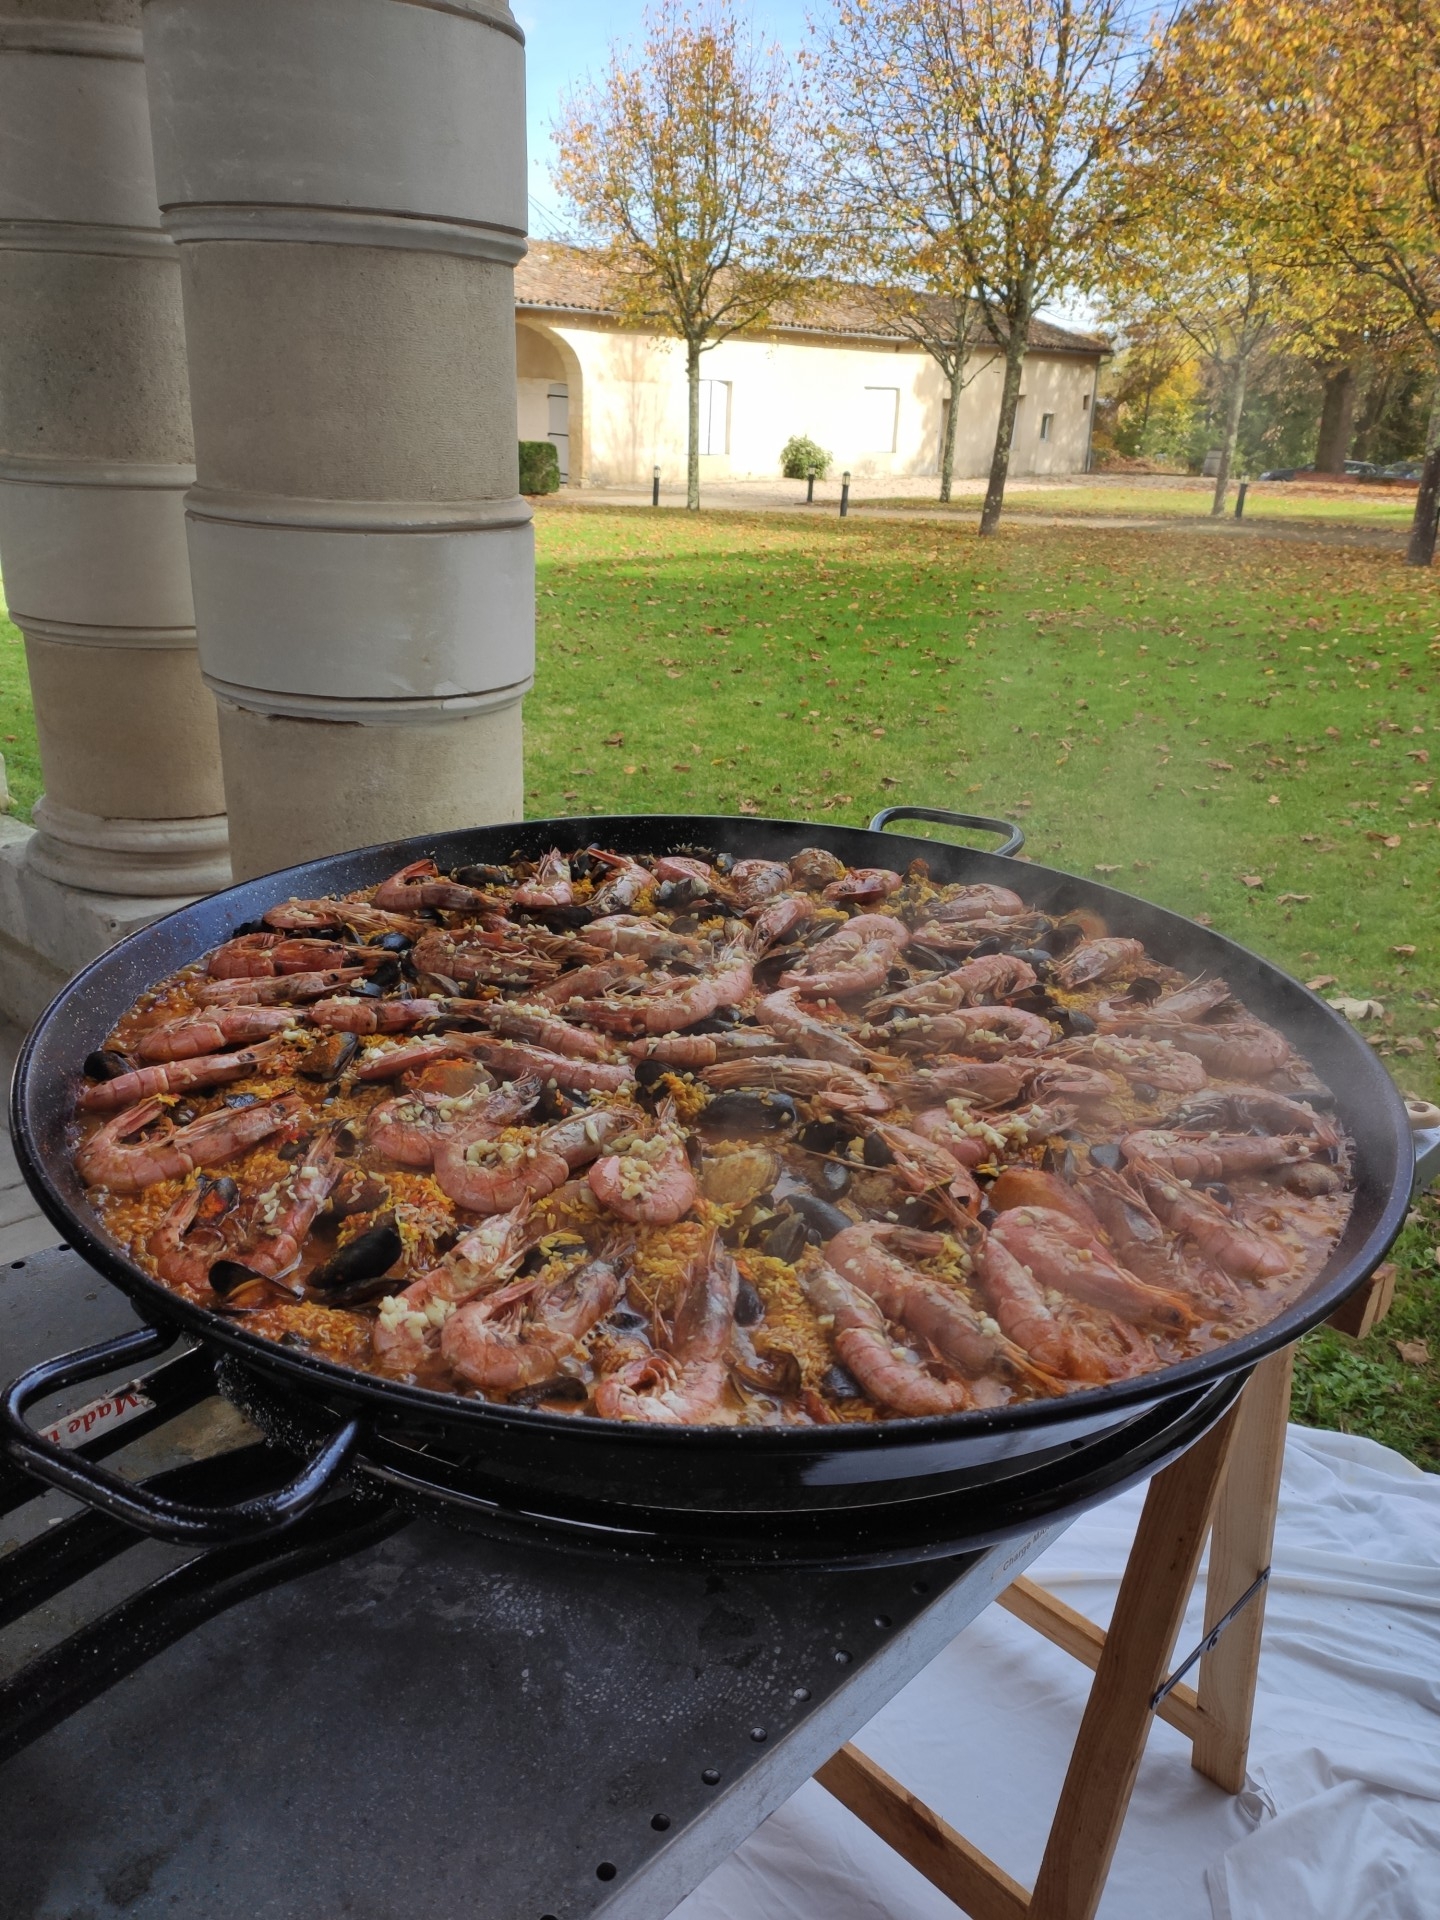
799 455
539 467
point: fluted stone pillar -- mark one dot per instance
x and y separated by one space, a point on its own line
95 456
345 180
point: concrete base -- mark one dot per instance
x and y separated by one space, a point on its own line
48 932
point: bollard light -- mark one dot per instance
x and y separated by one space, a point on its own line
810 488
655 487
1240 499
844 493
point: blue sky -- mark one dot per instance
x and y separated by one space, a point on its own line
567 41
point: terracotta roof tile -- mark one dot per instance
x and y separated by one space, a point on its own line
557 278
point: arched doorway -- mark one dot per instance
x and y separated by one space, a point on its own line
549 396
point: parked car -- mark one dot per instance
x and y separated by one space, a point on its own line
1402 470
1355 470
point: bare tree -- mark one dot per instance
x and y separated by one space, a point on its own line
680 162
979 127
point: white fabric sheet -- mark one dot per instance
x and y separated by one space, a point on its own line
1340 1819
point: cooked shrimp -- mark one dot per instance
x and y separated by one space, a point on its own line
1060 1253
479 957
984 982
1018 1304
1235 1249
985 1033
863 885
1193 1003
632 936
623 885
588 983
887 1372
279 1218
191 1238
1236 1108
1241 1049
820 1080
357 916
924 1168
651 1181
411 1129
259 956
285 988
684 1384
1215 1156
408 1328
1153 1062
705 1049
1145 1248
994 1083
804 1032
778 919
486 1175
750 883
980 902
549 886
675 1007
113 1158
197 1034
421 884
521 1337
345 1015
869 1256
176 1076
543 1027
815 867
1095 960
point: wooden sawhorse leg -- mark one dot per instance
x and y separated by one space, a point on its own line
1131 1663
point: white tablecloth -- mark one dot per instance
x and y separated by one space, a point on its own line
1341 1816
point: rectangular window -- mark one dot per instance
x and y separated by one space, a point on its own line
1084 403
1047 420
714 416
879 411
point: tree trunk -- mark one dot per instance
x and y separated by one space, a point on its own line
1337 416
947 439
692 457
1234 407
1421 550
1005 426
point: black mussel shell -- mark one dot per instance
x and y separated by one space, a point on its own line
558 1103
721 1021
1218 1190
988 1216
1145 990
649 1073
748 1111
838 1383
1063 1163
1061 937
749 1307
676 894
372 989
685 924
1036 958
785 1241
826 1136
106 1064
242 1099
482 875
992 943
875 1153
329 1058
217 1197
1143 1090
1074 1023
1105 1153
626 1320
393 942
366 1257
915 1210
817 1214
834 1178
562 1387
250 926
724 863
228 1275
584 868
184 1114
295 1340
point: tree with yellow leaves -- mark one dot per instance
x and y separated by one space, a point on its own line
680 162
1323 121
971 131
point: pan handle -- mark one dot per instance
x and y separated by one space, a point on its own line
1014 837
152 1513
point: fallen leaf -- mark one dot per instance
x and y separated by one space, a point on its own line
1273 801
681 766
1252 880
1393 840
1220 766
1309 839
613 740
629 769
1357 1010
1415 753
877 733
569 796
1203 920
1415 1353
1404 952
1100 868
1333 732
674 673
1293 899
887 781
1321 980
749 806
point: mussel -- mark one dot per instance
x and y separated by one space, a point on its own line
749 1307
1105 1153
1310 1179
747 1112
826 1136
354 1273
329 1057
106 1064
787 1239
818 1214
876 1153
393 942
563 1387
833 1177
839 1384
737 1179
1074 1024
484 875
228 1277
239 1100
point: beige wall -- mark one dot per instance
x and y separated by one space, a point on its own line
628 405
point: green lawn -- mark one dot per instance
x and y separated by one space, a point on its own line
17 722
1240 729
1189 500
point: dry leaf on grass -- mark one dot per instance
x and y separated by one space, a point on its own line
1100 867
1293 899
749 806
1415 1353
1252 880
1357 1010
1404 952
1322 980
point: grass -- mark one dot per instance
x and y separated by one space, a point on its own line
1179 500
1240 729
17 721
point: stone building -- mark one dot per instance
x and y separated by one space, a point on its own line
613 399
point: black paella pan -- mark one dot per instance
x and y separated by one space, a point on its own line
895 1490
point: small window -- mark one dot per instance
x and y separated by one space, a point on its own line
1047 420
1084 403
714 416
879 411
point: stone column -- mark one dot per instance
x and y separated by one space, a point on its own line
346 182
95 455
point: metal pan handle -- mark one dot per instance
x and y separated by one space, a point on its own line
1014 838
178 1520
